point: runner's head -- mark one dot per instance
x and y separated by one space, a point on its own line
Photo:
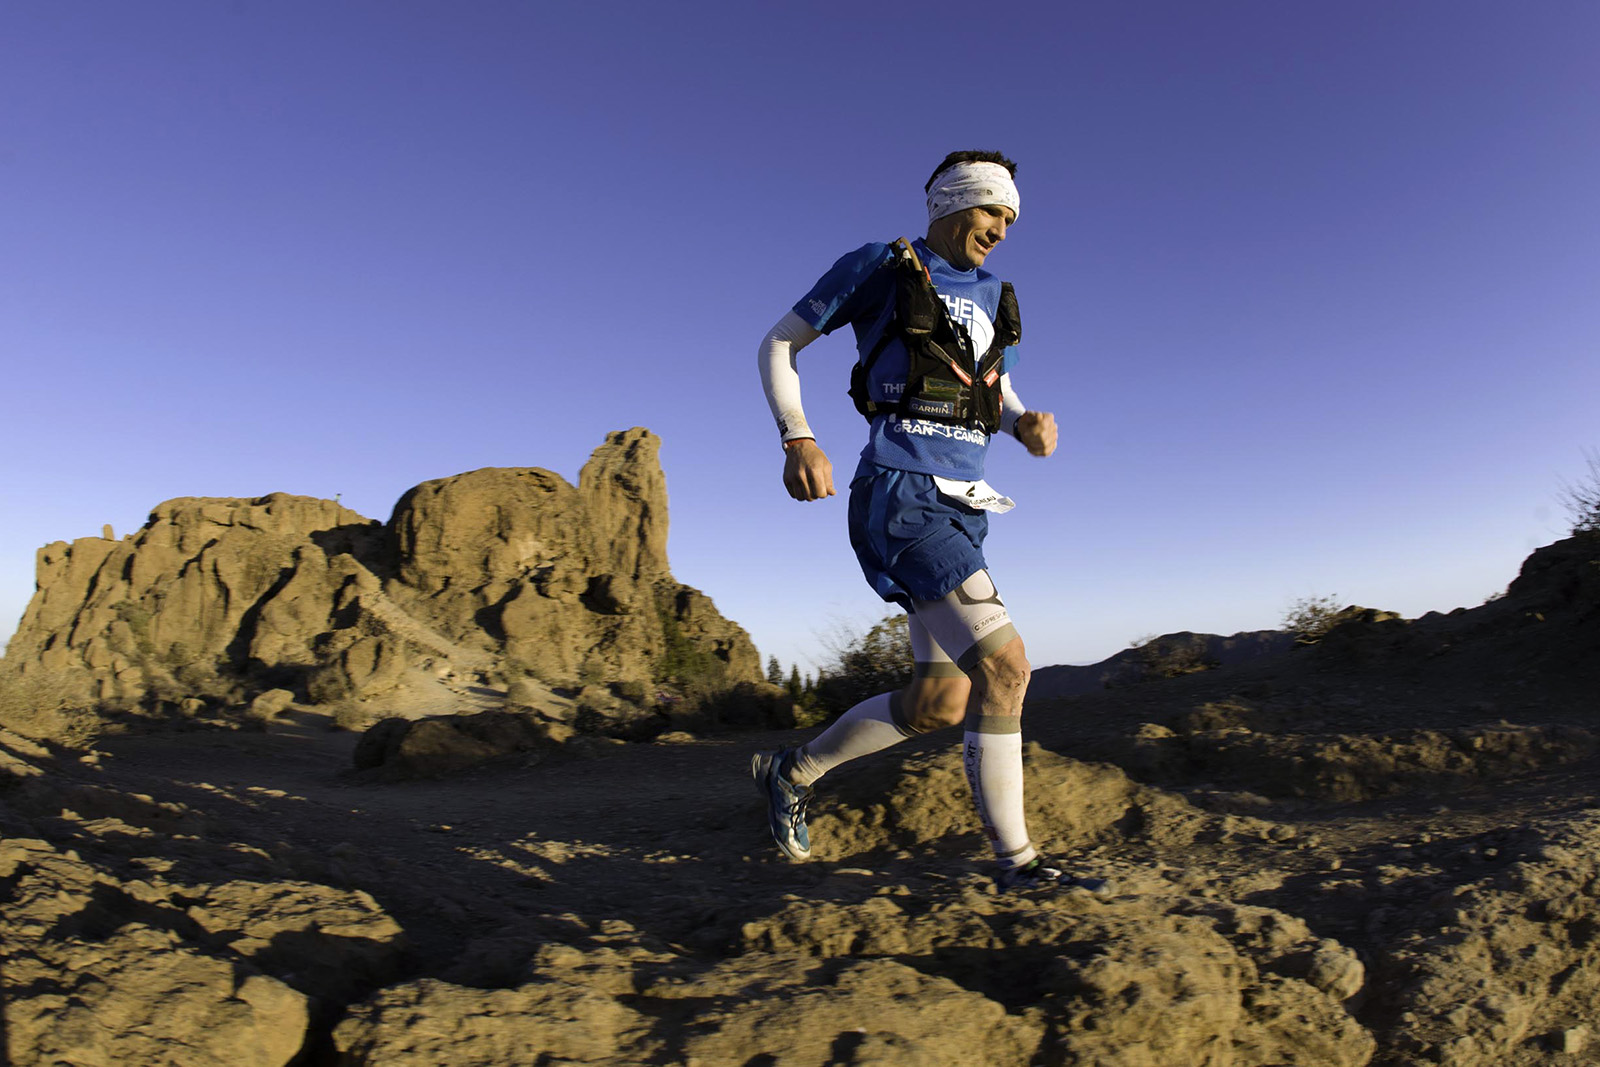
971 200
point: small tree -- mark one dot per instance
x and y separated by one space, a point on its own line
810 712
877 662
1582 500
774 670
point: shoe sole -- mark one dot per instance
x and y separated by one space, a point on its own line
1053 888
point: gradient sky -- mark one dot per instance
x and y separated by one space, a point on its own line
1312 288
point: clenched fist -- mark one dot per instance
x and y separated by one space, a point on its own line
1037 432
807 473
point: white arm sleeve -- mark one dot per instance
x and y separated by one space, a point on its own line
1011 407
779 378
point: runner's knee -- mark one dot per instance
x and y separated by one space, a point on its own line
1005 670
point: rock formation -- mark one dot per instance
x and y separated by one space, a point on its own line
489 577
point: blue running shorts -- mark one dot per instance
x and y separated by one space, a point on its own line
912 543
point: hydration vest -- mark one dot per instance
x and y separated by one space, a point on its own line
946 381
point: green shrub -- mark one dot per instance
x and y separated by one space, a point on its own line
46 704
137 617
685 662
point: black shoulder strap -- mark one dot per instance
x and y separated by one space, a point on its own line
1008 320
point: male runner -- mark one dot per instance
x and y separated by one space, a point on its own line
918 505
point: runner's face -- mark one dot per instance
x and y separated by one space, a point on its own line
966 238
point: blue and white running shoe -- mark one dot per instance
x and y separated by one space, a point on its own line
786 803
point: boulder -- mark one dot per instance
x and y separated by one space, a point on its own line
335 942
271 704
443 744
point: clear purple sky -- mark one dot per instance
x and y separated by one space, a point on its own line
1312 288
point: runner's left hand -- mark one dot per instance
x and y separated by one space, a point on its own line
1037 432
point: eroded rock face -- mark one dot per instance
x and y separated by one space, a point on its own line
501 573
204 582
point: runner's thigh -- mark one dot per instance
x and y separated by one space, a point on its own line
968 623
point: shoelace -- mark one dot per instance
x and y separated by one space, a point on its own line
800 797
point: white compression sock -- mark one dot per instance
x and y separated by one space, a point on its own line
869 726
992 757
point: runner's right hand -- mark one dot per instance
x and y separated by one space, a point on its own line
807 473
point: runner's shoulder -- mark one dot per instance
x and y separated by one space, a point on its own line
862 261
852 284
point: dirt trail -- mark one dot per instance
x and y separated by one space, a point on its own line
1358 854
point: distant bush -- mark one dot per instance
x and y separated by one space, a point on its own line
1311 617
1160 657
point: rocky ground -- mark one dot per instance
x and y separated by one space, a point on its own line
1381 849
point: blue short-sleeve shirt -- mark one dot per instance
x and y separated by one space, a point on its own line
858 290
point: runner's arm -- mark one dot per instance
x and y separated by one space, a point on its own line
1011 406
1035 429
780 379
807 472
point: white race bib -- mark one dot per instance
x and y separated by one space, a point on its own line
980 495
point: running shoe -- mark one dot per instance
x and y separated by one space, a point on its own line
786 803
1038 875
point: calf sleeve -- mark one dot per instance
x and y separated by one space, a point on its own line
873 724
992 757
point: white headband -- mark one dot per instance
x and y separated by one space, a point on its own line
963 185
